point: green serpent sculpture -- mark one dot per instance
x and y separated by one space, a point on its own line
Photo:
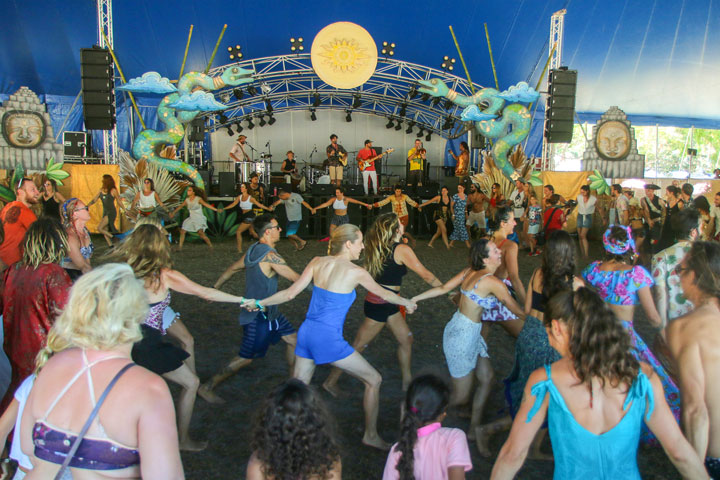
484 108
186 102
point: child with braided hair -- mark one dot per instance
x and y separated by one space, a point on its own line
427 450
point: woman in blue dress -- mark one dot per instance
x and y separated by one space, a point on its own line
320 337
595 398
458 205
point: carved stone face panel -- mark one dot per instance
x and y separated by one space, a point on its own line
613 140
23 129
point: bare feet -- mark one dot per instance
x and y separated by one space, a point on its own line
376 442
206 393
481 440
302 245
333 390
193 446
430 245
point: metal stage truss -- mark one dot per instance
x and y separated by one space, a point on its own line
288 82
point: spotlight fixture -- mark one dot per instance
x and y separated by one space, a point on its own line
238 127
271 120
225 97
435 101
296 44
420 133
425 97
262 121
222 118
235 53
316 100
252 90
388 49
398 126
251 125
357 102
268 105
403 109
448 124
238 93
230 131
448 64
348 117
448 104
413 92
428 137
410 127
313 117
265 87
390 123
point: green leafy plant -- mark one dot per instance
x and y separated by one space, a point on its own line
55 172
598 183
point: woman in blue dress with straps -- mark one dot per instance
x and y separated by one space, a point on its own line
595 397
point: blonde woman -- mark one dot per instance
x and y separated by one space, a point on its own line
133 434
387 260
75 215
320 340
147 251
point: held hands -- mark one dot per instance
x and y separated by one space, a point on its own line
369 206
312 211
410 306
249 304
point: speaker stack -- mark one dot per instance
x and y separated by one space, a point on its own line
197 130
560 113
97 72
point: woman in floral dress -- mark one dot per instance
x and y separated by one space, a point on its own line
459 206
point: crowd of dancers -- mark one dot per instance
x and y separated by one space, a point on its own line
86 350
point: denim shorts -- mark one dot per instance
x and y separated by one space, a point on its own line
584 221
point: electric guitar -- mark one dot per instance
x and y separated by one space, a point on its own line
342 158
363 164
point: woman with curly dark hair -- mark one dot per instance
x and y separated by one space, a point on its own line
532 349
293 437
108 196
426 450
599 397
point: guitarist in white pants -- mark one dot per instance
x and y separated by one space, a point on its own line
369 172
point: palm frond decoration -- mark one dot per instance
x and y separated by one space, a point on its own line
134 172
55 172
491 174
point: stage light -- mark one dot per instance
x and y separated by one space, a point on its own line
235 53
348 117
428 137
225 97
316 100
262 121
420 133
410 127
271 120
425 97
448 64
296 45
251 125
390 123
448 104
265 87
399 125
435 101
357 102
268 105
222 118
413 92
313 117
252 90
238 93
230 131
238 127
388 49
403 109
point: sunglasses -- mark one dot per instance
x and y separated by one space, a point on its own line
680 269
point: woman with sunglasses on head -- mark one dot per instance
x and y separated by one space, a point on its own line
75 215
147 199
596 399
108 195
622 286
51 199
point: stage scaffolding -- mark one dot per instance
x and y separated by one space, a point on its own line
105 25
557 23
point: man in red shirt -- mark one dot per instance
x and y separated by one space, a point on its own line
369 173
16 217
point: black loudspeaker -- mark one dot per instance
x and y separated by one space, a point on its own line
427 191
324 189
75 144
197 130
205 175
97 81
354 190
226 182
478 141
560 113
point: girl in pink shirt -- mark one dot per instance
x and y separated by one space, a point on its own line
426 450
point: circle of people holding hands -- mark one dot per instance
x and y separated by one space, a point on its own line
86 351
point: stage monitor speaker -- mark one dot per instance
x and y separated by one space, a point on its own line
97 82
354 190
323 189
205 175
197 130
226 182
75 144
560 113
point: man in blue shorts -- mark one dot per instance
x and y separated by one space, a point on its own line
262 265
293 208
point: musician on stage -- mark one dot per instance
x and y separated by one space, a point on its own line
335 153
288 167
416 158
369 173
239 153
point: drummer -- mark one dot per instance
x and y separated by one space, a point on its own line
239 154
288 167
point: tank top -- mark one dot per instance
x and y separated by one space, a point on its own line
246 204
392 272
257 285
339 204
147 201
51 208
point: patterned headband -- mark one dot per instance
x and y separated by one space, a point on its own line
617 247
66 204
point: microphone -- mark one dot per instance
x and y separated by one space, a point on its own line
267 144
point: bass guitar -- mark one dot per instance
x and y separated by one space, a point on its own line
363 164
